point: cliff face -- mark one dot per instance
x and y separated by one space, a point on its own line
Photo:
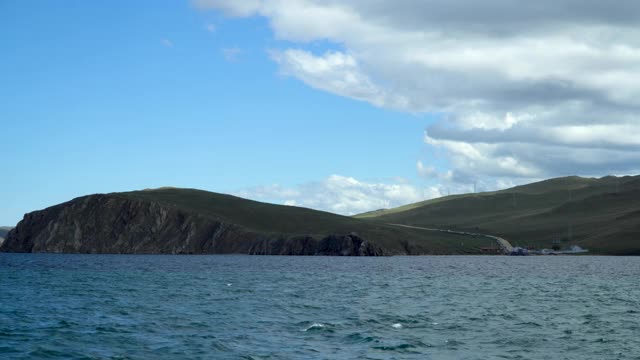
111 224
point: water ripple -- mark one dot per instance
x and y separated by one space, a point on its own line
240 307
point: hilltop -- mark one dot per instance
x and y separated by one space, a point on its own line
601 214
173 220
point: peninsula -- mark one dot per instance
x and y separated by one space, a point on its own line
188 221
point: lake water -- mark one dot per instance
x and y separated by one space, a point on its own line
242 307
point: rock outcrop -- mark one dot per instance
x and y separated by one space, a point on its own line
119 225
341 245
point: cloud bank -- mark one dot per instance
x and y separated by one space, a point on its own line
523 90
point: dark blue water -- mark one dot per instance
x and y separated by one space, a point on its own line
241 307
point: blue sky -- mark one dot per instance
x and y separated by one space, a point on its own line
339 106
119 96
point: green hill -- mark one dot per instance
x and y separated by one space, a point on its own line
171 220
298 221
598 214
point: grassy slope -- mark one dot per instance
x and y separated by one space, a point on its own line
600 214
292 220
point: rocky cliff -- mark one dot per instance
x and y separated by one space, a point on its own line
108 223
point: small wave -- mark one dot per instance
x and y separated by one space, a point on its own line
315 326
64 324
453 343
359 338
530 323
394 348
397 326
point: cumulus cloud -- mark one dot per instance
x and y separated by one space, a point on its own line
524 90
343 195
334 72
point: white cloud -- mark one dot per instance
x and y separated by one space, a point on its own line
426 171
343 195
336 72
525 89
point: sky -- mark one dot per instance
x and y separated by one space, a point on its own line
339 106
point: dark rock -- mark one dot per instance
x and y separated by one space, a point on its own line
333 245
347 245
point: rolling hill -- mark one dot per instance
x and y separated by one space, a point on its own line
602 214
189 221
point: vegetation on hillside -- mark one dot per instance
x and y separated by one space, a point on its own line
599 214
